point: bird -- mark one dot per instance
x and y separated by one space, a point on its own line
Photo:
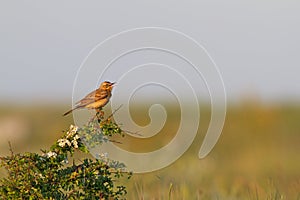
96 99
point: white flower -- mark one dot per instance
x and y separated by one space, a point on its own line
71 135
73 128
68 143
72 131
105 184
65 161
76 137
51 154
63 142
75 143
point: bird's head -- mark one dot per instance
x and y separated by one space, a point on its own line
106 85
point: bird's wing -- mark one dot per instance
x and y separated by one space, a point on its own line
88 97
92 97
101 94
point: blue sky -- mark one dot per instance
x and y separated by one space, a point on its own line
255 44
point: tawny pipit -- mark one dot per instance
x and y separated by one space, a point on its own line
96 99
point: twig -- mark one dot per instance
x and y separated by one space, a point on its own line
134 133
170 190
10 148
114 112
115 141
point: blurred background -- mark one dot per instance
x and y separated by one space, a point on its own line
255 45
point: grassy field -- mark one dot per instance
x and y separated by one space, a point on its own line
257 156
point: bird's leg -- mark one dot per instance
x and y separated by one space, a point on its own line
99 114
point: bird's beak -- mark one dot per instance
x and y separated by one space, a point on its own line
113 83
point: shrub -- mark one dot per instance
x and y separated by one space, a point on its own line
49 175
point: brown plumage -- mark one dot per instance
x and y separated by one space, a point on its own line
96 99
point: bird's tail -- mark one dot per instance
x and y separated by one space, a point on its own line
68 112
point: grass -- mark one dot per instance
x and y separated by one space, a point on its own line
257 156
